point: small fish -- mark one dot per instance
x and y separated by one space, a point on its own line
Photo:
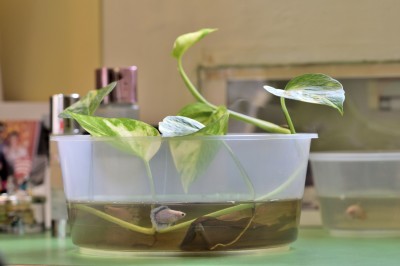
163 217
356 212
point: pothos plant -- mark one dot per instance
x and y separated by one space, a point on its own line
197 119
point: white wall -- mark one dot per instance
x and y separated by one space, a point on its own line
141 32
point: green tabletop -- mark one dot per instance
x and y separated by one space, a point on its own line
313 247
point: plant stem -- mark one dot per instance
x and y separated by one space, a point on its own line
112 219
191 87
213 214
267 126
151 231
237 207
257 122
241 169
287 116
238 236
151 180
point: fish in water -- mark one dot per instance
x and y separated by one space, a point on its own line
356 212
163 217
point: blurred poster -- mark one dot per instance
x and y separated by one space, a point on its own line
18 146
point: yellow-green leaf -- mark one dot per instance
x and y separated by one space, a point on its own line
89 103
185 41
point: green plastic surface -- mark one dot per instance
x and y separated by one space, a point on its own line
313 247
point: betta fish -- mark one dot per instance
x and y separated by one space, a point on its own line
163 217
356 212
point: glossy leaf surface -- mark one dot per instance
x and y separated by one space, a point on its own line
313 88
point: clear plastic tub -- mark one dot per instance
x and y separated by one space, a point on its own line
186 194
359 192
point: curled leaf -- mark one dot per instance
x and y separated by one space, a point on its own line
313 88
89 103
173 126
185 41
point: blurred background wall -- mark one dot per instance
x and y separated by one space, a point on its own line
49 47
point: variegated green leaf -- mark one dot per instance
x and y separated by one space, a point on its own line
198 111
185 41
193 156
216 124
173 126
89 103
114 127
313 88
124 128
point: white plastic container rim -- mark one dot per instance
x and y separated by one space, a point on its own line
255 136
354 156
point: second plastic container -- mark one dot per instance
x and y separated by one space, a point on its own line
359 193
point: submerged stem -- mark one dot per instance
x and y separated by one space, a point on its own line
112 219
241 169
213 214
151 180
238 236
151 231
237 207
